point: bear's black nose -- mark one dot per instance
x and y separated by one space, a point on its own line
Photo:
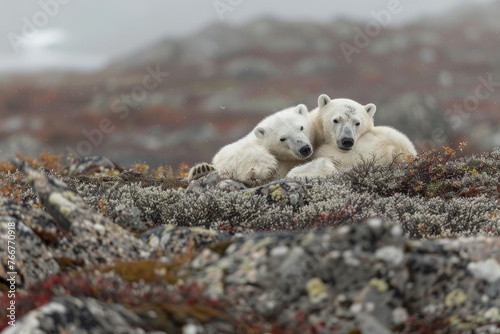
305 150
348 142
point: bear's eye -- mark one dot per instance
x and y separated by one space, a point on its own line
335 121
358 124
282 139
301 128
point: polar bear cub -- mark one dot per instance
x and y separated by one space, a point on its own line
346 135
278 143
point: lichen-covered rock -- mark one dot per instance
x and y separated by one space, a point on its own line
332 276
22 251
63 203
286 192
365 278
77 315
175 240
129 217
91 165
84 236
213 181
357 277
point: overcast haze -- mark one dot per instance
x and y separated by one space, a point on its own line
87 33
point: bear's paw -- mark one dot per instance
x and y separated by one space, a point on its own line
200 170
263 170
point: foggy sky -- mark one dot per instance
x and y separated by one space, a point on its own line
98 30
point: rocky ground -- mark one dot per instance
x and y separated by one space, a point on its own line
396 249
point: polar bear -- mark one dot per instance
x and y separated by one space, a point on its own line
277 144
345 135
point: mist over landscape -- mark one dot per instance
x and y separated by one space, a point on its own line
78 85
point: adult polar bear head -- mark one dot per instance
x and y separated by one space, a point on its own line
342 122
287 134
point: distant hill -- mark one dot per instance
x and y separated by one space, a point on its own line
222 80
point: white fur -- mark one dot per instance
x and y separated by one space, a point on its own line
340 121
319 167
262 155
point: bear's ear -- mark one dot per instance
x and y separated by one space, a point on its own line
259 132
371 109
323 100
301 109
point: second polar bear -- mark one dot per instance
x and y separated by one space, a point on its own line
346 135
278 143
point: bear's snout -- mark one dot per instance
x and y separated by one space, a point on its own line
305 150
347 143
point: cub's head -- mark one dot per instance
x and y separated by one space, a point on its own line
344 121
287 134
